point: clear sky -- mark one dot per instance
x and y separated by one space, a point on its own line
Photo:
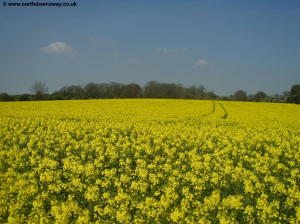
224 45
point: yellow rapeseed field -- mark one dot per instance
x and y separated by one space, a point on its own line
149 161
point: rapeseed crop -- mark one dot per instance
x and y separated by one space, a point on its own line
149 161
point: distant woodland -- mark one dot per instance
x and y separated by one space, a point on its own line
152 89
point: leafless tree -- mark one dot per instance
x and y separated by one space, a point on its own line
39 89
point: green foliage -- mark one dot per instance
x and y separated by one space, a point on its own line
295 94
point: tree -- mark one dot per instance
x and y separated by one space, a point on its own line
91 90
155 89
115 90
152 90
240 95
24 97
211 95
39 89
201 92
259 96
295 94
132 90
5 97
295 90
71 92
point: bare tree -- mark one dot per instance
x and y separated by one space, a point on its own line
39 89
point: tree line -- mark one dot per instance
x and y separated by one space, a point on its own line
152 89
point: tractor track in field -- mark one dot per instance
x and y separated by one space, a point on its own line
211 112
225 115
225 111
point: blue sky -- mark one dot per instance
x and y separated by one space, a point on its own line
224 45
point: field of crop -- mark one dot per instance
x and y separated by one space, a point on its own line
149 161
